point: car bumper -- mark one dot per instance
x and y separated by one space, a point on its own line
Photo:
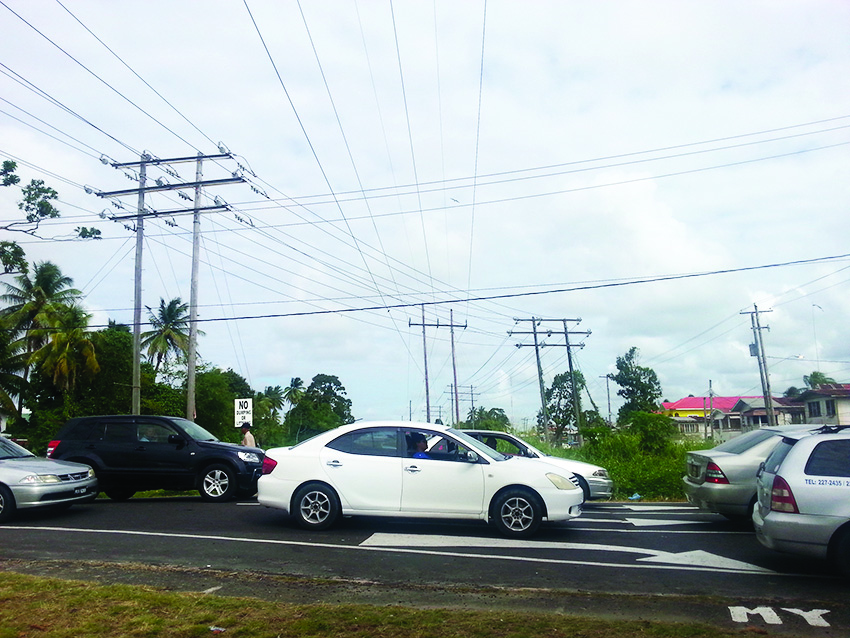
729 499
563 505
32 496
801 534
247 481
600 487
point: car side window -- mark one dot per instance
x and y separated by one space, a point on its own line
374 442
829 458
153 432
119 432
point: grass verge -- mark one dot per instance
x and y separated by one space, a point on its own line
51 608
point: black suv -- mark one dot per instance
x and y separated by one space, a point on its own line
131 453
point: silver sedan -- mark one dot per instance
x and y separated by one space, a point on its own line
28 481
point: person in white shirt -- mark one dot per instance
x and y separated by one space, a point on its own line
247 437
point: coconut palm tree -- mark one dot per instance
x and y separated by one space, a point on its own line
275 398
816 378
33 305
294 392
170 332
68 349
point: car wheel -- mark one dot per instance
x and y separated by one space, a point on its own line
316 506
841 553
584 486
7 504
120 493
218 483
517 513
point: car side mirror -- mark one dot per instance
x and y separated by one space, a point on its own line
760 470
175 439
472 457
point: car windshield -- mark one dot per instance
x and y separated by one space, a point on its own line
478 446
745 441
11 450
194 430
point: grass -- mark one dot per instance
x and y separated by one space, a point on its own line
33 606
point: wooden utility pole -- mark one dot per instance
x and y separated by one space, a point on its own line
757 350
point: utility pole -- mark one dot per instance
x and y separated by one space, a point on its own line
575 391
144 162
471 392
451 325
607 378
757 350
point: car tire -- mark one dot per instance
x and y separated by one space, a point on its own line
316 506
217 483
120 493
584 486
841 553
517 513
7 504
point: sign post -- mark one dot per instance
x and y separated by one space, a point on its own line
243 412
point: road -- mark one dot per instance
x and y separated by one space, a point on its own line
669 561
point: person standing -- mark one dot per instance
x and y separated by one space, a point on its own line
247 437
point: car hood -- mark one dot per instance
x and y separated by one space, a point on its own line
233 447
577 467
23 466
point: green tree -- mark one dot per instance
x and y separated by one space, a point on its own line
323 406
294 391
816 378
639 385
170 334
37 204
33 306
12 383
214 404
560 403
482 418
68 349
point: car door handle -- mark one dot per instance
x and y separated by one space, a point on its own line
334 464
412 469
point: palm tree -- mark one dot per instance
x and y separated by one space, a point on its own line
68 350
294 392
816 378
11 382
170 332
34 305
275 398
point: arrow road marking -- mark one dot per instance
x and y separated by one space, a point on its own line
697 558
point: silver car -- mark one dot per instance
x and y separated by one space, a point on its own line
28 481
723 479
594 480
804 496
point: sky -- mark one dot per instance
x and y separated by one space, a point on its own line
650 172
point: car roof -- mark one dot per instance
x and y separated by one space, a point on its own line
821 430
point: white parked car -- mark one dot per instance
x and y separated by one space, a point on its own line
804 496
593 479
28 481
415 470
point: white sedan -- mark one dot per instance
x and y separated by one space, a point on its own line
415 470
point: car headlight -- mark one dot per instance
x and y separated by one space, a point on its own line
560 482
600 473
91 472
249 457
40 478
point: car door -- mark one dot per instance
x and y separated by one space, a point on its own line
364 468
160 462
443 483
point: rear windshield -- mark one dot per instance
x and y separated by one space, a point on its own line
830 458
745 441
775 458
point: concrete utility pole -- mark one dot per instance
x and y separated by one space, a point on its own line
757 350
575 390
607 378
193 295
145 161
471 392
451 325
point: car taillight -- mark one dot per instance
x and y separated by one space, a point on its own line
781 497
713 474
51 448
268 465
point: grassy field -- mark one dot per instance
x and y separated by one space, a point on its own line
33 606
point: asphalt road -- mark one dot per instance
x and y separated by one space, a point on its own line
616 560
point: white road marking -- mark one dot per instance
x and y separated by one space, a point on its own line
697 558
488 543
646 522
